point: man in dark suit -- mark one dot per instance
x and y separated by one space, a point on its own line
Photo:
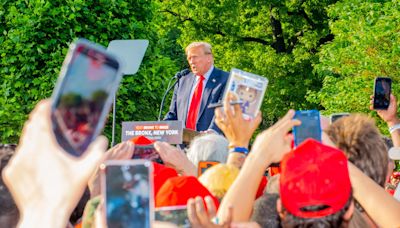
195 91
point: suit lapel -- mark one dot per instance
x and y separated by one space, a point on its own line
207 92
187 85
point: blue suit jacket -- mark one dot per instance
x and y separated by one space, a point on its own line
213 92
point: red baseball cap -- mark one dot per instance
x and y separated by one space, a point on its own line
161 174
314 175
177 191
142 141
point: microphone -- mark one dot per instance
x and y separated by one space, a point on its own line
181 73
177 76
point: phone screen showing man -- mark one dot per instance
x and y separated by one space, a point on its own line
128 195
78 108
382 92
310 126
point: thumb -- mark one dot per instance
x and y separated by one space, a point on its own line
94 155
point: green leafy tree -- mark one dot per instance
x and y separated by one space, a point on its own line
366 45
34 40
277 39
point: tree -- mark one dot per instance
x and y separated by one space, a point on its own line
277 39
366 45
35 39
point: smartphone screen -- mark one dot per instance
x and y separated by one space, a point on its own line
310 126
83 96
127 188
146 152
382 90
175 214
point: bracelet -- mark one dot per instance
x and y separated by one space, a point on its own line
242 150
394 128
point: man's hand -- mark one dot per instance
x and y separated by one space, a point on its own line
274 142
175 158
45 181
236 129
121 151
389 115
201 217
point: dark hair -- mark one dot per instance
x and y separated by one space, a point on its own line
264 211
8 210
333 220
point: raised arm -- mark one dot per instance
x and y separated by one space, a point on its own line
391 119
269 147
379 205
46 182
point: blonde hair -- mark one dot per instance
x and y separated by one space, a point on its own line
206 47
219 178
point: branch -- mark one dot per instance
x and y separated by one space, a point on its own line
214 31
279 44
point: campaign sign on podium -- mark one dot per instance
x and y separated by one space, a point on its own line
166 131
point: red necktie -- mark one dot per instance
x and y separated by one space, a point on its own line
195 104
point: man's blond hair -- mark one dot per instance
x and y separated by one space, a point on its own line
206 47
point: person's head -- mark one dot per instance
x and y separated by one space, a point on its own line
219 178
315 187
199 56
8 210
209 147
264 211
359 138
246 93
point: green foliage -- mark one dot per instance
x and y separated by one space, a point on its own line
366 45
277 39
316 54
34 40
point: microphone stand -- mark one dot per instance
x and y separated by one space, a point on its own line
165 95
177 76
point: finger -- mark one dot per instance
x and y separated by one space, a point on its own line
93 156
110 153
219 118
125 151
201 211
289 115
210 207
227 107
191 211
257 120
237 109
227 221
287 125
130 150
392 97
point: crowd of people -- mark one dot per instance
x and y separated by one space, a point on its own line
347 179
338 182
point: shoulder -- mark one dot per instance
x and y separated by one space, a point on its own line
222 75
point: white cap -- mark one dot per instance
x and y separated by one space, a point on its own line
394 153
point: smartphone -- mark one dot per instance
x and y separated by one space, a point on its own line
310 126
82 98
382 90
204 165
127 190
174 214
336 116
147 152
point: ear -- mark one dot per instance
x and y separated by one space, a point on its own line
279 208
349 213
